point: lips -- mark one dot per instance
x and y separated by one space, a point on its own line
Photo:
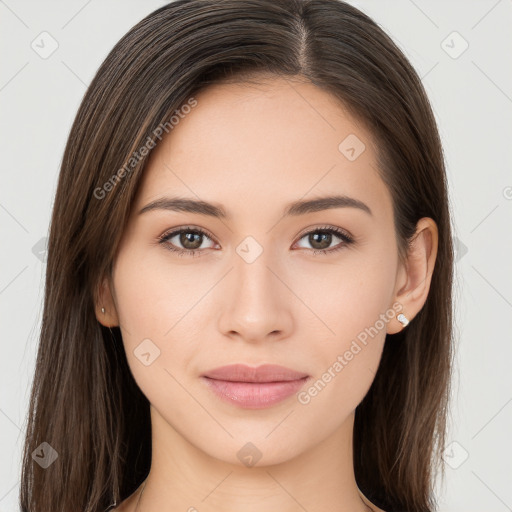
264 373
254 387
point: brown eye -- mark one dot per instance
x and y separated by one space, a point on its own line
321 239
185 241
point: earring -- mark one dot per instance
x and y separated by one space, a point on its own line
402 319
103 310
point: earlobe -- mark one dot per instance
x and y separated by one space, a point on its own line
418 269
105 309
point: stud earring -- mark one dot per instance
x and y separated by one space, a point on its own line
402 319
103 310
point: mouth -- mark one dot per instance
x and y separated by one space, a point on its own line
254 388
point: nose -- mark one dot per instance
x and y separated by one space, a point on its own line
255 303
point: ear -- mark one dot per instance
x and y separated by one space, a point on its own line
414 277
105 299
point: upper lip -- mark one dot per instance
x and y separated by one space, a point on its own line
263 373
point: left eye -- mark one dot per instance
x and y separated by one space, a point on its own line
322 238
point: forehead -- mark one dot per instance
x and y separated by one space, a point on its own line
277 140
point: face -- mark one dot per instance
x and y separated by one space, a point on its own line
312 290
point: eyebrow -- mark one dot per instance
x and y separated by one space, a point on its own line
296 208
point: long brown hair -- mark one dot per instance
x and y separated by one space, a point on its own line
84 401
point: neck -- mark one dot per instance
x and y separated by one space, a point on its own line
185 477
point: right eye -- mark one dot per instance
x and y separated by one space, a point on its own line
189 238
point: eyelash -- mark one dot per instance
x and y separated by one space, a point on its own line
164 239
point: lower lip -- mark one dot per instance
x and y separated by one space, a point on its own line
254 395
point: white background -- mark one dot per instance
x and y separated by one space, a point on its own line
472 98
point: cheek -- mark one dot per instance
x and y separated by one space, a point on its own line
348 295
153 294
158 320
351 302
345 362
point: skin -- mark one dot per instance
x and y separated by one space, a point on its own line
252 150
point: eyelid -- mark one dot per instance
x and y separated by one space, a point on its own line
339 231
179 229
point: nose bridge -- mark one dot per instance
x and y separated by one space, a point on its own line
255 304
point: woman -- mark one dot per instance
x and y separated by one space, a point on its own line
248 288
